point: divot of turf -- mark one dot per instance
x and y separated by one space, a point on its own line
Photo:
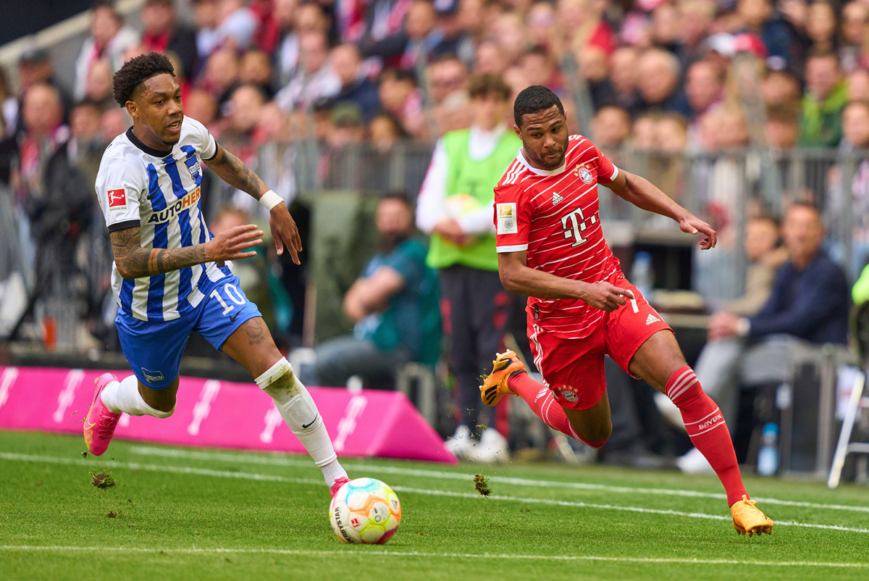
102 479
481 483
112 514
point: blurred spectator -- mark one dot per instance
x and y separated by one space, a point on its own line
717 365
286 54
256 69
402 100
236 24
780 88
34 67
855 17
540 69
85 147
671 130
447 75
108 40
314 79
383 18
821 26
455 207
98 88
394 305
593 64
541 25
666 29
200 105
472 23
356 88
205 15
643 133
782 127
858 84
583 25
658 83
221 75
488 59
113 123
509 34
758 17
420 38
244 110
696 19
384 132
809 299
704 87
611 127
826 95
623 76
163 33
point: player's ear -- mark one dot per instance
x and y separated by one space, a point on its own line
132 109
517 130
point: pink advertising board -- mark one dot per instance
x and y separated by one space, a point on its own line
220 414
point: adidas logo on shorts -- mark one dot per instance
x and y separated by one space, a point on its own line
651 319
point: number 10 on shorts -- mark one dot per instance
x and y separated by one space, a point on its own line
232 293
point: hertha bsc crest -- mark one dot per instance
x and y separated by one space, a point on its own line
584 174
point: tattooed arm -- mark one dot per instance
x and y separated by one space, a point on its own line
133 261
236 173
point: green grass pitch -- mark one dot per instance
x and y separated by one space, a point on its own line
199 514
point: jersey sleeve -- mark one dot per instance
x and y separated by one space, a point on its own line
606 170
118 186
512 218
202 139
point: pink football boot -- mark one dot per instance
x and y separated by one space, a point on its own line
99 425
333 490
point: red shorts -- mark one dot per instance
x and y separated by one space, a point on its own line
574 368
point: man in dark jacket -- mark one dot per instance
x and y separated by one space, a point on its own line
809 302
164 34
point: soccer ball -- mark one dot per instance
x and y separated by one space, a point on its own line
365 511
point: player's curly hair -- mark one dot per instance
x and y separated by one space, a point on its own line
135 72
534 99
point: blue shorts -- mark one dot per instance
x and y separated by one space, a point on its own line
154 349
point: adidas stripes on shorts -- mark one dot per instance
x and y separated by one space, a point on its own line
574 368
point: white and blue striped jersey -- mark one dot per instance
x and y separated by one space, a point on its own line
160 193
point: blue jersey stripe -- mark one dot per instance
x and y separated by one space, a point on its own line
186 239
126 294
161 240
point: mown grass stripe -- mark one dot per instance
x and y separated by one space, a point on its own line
269 460
469 495
351 552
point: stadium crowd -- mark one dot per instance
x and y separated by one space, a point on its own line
659 75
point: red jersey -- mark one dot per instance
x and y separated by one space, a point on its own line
554 216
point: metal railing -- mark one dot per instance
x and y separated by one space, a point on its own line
723 188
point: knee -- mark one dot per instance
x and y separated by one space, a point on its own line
597 436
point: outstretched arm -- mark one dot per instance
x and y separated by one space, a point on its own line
518 277
236 173
133 261
646 196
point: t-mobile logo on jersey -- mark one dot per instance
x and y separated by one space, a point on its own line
574 225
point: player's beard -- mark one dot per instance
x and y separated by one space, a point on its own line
389 241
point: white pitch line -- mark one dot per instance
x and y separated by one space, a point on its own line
469 495
349 552
267 460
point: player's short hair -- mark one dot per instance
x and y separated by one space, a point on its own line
534 99
488 85
135 72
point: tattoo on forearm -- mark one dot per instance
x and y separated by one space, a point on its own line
254 332
236 173
134 261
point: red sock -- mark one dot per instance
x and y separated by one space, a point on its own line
707 430
542 403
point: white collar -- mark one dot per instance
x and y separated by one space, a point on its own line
541 172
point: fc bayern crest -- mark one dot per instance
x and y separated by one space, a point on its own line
567 393
584 174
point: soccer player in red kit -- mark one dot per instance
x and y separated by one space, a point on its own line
581 306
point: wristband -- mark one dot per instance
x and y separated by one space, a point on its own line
270 199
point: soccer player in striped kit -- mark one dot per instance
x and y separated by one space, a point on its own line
171 276
581 307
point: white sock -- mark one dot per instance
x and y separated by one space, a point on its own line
300 413
125 397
